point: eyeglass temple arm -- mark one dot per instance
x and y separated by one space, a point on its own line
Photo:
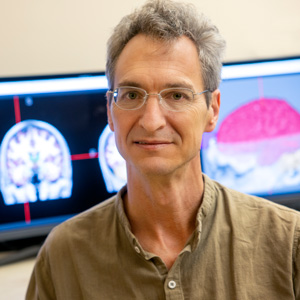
202 92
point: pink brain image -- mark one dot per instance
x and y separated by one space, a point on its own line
260 119
270 126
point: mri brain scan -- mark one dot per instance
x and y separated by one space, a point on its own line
35 164
257 147
112 164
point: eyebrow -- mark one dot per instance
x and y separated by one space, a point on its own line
166 86
180 84
130 83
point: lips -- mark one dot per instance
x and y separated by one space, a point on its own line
152 142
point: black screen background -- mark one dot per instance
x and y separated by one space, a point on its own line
80 118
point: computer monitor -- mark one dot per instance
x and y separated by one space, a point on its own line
50 132
255 147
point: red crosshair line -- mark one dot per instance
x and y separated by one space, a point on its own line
73 157
18 120
84 156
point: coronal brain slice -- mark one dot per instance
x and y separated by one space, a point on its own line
33 155
36 158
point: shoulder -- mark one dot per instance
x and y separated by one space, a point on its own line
100 213
247 202
84 227
255 219
249 211
254 203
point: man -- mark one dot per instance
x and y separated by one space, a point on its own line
171 233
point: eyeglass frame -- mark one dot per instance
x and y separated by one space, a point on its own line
111 92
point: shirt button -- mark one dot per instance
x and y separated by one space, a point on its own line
137 249
172 284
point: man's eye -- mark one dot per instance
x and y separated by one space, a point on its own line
132 95
177 96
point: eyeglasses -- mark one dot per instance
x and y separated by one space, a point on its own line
174 99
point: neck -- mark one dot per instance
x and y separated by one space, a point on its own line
162 211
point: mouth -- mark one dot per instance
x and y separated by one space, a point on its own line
141 143
151 142
152 145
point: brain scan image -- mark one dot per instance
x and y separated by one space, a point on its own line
112 164
257 147
35 164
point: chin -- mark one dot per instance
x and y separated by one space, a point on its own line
150 166
160 167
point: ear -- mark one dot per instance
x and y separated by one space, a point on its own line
108 110
213 110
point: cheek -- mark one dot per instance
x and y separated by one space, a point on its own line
116 127
118 119
120 143
197 139
122 124
198 118
195 127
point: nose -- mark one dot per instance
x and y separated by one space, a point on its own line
152 115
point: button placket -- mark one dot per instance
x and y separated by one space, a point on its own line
172 284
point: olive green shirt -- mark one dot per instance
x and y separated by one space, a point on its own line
243 248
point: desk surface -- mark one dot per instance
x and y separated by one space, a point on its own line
14 279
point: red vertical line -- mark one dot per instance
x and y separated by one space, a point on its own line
17 109
18 120
27 212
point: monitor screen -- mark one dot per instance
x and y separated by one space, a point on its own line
51 129
255 147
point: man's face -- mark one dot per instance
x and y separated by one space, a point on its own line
153 140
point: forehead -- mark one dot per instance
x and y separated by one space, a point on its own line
145 58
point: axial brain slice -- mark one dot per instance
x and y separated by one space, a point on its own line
35 164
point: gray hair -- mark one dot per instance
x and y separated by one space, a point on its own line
166 21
